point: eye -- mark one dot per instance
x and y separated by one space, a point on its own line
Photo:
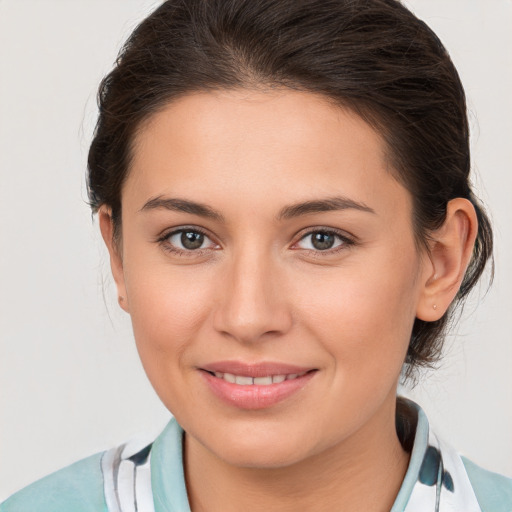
323 240
187 240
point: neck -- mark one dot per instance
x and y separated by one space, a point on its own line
364 472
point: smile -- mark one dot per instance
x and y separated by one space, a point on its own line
245 380
255 386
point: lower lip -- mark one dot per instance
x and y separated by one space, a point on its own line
255 396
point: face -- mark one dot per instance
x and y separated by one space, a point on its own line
270 271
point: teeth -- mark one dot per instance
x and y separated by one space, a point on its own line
244 380
263 381
229 377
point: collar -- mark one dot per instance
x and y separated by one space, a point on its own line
436 479
152 478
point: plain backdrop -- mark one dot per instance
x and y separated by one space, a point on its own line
70 380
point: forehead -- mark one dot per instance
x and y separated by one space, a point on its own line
263 146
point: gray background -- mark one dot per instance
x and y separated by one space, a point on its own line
70 380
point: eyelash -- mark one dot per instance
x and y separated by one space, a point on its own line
164 242
346 242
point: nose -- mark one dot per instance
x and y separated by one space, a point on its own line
253 304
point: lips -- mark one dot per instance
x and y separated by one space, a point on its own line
262 369
255 386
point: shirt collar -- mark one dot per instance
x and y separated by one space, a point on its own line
167 477
436 479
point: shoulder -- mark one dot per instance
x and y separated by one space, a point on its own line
493 491
78 487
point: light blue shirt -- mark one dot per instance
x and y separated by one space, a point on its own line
152 479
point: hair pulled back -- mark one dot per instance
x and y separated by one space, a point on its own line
372 56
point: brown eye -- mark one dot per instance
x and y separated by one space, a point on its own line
187 240
321 240
191 240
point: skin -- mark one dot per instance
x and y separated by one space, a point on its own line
259 290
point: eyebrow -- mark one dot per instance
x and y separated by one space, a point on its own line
288 212
322 205
182 205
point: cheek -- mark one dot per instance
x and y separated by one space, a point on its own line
168 307
363 315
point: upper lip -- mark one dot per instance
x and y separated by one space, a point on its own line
258 369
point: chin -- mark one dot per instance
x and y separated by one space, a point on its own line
258 457
265 448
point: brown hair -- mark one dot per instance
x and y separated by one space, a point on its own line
372 56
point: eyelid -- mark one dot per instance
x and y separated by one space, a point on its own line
347 240
166 233
163 240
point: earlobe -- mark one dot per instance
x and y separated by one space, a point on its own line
116 261
450 253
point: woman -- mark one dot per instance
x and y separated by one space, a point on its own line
283 190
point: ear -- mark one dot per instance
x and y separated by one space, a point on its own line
450 253
116 260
